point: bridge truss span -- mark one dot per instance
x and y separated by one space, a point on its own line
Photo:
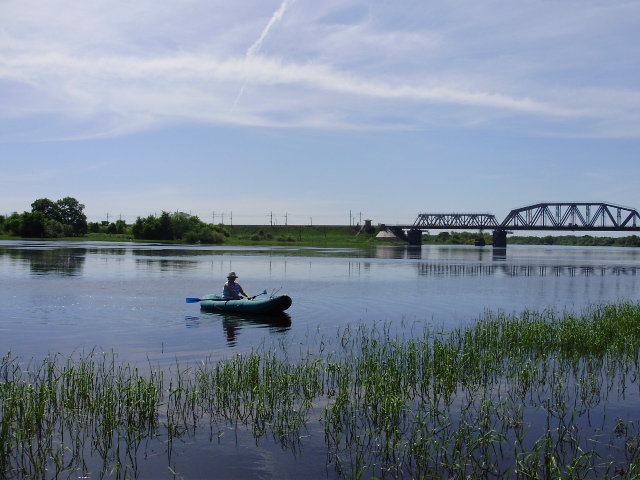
455 221
567 216
591 216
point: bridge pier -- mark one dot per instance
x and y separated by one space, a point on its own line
499 238
414 236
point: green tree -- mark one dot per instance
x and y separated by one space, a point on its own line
165 227
204 234
443 237
182 222
72 214
178 226
48 208
121 226
548 240
153 228
13 224
33 224
632 241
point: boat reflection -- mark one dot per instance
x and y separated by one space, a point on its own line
233 323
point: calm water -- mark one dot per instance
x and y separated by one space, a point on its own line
67 297
130 298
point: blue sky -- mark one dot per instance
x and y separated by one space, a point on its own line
315 111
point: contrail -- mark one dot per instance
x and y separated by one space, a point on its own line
255 48
276 17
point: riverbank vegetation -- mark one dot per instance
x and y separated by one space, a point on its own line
469 238
65 219
159 229
528 396
181 227
456 238
578 241
48 219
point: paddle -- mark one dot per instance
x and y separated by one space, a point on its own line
196 300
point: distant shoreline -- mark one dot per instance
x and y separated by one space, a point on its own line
347 236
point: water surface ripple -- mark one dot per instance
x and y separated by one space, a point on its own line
64 297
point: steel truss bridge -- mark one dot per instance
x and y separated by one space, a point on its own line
562 216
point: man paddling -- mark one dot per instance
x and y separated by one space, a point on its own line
233 290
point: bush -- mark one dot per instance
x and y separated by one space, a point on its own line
177 226
286 238
204 234
260 235
53 228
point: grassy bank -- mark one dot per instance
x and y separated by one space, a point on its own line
514 396
345 236
327 235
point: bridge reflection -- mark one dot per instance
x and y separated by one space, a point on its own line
470 270
467 261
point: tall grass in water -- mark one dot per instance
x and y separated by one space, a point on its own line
514 396
511 397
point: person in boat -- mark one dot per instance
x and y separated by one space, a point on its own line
233 290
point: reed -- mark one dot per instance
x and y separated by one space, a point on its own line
513 396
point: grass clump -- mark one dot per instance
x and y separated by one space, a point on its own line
514 396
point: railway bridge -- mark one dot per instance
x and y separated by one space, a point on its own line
561 216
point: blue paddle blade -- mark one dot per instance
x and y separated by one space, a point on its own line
192 300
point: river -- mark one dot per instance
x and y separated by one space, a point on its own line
64 297
128 299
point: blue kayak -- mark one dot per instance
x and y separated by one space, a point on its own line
215 303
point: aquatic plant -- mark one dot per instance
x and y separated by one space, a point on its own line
513 396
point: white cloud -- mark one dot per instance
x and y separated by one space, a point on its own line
105 68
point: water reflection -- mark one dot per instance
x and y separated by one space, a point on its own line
62 262
233 324
166 265
524 270
413 252
499 254
128 290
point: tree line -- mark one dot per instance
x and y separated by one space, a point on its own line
66 218
178 226
578 241
468 238
48 219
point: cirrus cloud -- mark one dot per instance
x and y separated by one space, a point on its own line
101 70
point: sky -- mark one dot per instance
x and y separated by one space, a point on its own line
306 112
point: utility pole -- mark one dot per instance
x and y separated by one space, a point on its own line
232 218
285 218
272 219
214 217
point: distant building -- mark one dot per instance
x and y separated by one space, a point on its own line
387 236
